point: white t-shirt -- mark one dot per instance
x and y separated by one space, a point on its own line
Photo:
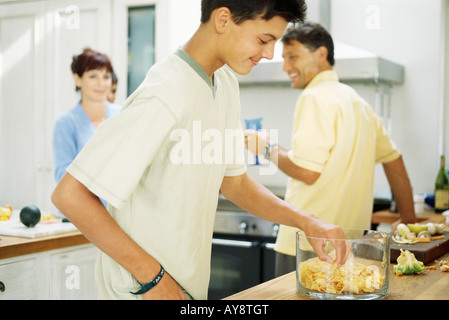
160 163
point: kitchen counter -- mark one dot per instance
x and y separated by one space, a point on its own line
386 216
428 285
16 246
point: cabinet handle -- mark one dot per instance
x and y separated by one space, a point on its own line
2 287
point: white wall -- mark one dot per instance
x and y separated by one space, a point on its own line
408 32
177 22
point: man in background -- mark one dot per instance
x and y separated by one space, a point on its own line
337 140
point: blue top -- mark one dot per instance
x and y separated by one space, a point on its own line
72 131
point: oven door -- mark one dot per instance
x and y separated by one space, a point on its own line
235 266
269 261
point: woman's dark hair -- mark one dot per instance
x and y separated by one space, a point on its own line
312 35
242 10
90 60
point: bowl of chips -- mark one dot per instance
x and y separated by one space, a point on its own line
363 276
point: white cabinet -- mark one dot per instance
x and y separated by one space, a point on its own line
73 274
18 280
61 274
37 42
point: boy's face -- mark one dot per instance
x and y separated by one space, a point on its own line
301 64
247 43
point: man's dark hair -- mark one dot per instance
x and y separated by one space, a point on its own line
242 10
312 35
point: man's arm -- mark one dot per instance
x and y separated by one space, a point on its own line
402 190
85 210
256 142
280 157
258 200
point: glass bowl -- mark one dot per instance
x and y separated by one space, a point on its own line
364 276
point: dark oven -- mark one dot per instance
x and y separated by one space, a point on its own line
242 251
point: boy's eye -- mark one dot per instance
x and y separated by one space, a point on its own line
263 42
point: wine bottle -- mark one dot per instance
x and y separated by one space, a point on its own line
442 188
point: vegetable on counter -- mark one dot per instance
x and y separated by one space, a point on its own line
413 233
444 265
30 216
5 212
407 264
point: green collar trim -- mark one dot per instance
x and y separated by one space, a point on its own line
195 66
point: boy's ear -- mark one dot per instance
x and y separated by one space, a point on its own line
222 18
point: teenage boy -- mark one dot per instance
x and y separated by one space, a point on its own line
151 167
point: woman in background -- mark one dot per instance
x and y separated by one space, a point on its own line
92 72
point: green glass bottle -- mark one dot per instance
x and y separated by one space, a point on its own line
442 188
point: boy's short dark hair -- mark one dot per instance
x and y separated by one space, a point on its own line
242 10
312 35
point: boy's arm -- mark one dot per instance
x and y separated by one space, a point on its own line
85 210
258 200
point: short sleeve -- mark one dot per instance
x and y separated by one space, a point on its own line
113 162
386 150
314 136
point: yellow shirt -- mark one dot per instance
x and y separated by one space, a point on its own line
336 133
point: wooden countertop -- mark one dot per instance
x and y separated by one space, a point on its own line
386 216
428 285
16 246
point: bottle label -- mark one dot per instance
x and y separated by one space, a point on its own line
442 199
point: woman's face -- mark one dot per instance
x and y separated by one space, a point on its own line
95 84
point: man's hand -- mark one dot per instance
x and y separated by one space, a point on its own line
256 140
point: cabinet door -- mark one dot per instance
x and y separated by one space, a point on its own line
18 280
73 274
37 42
21 97
76 25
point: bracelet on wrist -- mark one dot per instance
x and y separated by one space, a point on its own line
267 151
149 285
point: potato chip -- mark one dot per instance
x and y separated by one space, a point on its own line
353 277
